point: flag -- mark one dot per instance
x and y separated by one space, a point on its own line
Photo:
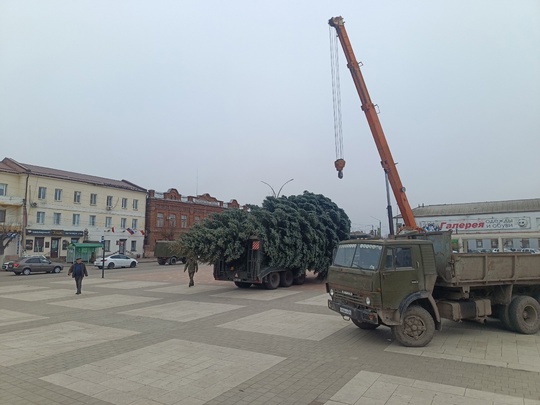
142 232
112 229
255 245
130 231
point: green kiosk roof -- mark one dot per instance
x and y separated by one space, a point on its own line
86 245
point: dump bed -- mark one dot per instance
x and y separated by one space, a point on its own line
475 269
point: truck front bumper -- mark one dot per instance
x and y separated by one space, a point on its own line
362 315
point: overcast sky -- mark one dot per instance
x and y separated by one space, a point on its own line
217 96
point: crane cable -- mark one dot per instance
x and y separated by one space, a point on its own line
336 101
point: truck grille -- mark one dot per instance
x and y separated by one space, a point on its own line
349 298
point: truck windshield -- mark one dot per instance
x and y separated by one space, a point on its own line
358 255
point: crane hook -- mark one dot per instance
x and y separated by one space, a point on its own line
340 164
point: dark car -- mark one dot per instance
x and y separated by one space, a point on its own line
29 265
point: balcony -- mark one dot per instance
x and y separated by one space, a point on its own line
10 201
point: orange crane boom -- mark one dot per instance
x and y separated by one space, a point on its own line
368 107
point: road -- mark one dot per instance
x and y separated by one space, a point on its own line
143 337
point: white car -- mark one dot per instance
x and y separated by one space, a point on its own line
116 260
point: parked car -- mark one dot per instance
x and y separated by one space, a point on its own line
34 264
6 264
116 260
529 250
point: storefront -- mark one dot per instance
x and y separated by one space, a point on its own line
50 242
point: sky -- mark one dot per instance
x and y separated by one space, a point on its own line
221 97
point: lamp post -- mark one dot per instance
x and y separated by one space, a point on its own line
279 191
380 226
103 258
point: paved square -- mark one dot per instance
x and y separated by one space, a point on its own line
129 285
299 325
35 343
256 294
41 295
171 372
319 300
182 311
13 288
104 301
499 348
88 281
11 317
383 389
184 289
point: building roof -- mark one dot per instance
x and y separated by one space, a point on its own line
11 166
488 207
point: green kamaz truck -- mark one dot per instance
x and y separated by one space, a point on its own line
411 283
166 252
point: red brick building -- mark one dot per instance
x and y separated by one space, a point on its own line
169 214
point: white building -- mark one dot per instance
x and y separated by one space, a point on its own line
502 225
44 210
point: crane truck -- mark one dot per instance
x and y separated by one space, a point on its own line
412 282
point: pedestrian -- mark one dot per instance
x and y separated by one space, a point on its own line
192 267
78 271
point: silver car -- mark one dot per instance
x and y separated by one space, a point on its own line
35 264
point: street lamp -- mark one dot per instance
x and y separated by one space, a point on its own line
279 191
103 258
380 226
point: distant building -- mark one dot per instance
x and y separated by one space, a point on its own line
168 214
48 209
503 225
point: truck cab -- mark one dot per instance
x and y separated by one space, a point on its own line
374 282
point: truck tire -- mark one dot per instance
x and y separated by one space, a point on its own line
365 325
172 260
241 284
272 281
286 278
161 262
524 313
417 328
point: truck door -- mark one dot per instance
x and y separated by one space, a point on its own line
399 278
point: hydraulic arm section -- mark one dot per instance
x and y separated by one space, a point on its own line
387 161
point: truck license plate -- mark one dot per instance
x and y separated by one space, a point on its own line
345 311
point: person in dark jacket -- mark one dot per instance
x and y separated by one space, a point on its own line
192 267
78 272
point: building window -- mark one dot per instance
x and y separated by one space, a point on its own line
3 189
42 193
494 243
76 219
479 243
57 194
159 222
133 245
57 218
133 224
123 223
38 244
40 217
124 203
92 220
77 197
184 221
135 204
93 199
525 243
109 201
197 219
107 246
2 215
172 221
108 222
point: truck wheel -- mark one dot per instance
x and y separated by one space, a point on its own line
161 262
300 279
285 278
365 325
417 328
524 314
172 260
241 284
272 281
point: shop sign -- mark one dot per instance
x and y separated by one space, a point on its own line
475 225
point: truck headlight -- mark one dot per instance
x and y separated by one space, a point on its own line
331 292
368 301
